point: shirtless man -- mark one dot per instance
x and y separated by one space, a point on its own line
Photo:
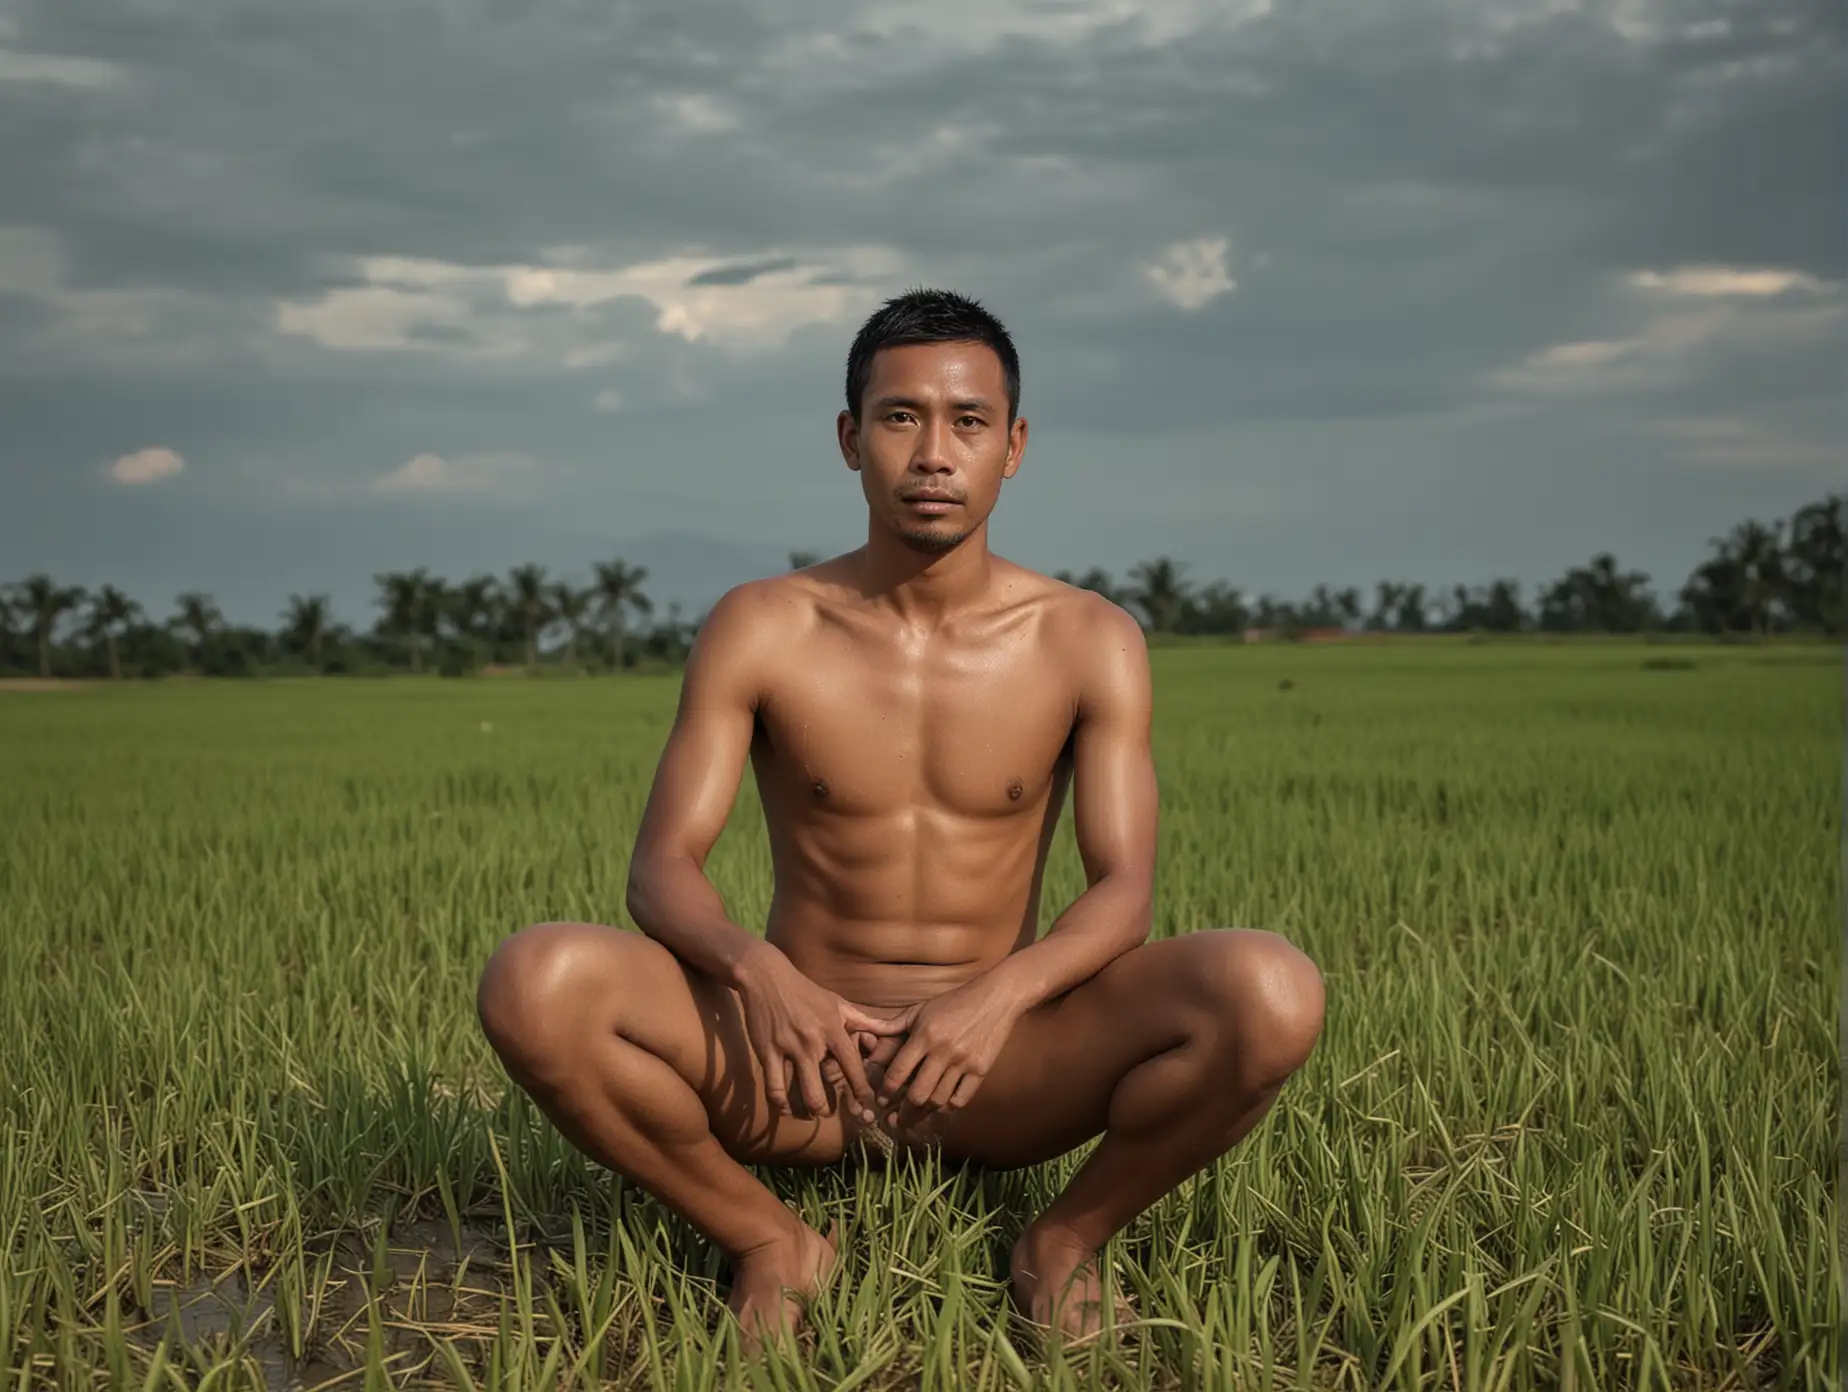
914 712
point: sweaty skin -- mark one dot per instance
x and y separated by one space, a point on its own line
915 714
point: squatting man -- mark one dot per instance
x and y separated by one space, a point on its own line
915 713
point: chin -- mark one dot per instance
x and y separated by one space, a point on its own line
933 541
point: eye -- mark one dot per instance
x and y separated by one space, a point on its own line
970 421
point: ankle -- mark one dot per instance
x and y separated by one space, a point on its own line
1050 1246
776 1237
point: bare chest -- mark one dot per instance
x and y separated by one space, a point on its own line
968 731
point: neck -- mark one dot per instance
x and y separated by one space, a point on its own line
925 585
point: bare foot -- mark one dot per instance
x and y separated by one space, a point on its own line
772 1284
1058 1288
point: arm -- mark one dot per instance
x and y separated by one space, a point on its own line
1113 814
695 785
800 1031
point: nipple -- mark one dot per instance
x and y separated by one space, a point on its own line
821 788
1014 790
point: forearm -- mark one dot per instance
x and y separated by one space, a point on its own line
673 902
1103 923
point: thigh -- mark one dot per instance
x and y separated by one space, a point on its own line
1050 1088
606 981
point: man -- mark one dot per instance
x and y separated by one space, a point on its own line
914 712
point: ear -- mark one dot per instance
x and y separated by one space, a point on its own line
847 434
1016 447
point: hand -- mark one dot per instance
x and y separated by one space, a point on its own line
953 1043
805 1037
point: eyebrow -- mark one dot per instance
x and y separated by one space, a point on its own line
974 403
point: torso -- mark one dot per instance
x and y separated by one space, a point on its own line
911 783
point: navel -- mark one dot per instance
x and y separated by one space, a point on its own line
1015 789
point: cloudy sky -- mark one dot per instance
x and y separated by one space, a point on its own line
1339 290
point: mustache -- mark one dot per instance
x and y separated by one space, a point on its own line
936 495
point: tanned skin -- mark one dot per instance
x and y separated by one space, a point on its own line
915 713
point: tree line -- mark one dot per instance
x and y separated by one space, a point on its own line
1759 579
423 623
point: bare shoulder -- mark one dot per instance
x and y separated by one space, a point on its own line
1097 643
744 633
1091 631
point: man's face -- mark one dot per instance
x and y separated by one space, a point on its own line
933 441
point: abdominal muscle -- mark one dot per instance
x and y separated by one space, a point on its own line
887 965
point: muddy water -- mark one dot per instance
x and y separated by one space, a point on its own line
424 1286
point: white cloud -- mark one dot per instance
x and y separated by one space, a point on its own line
609 399
465 473
1192 274
1735 312
373 317
410 303
89 74
149 465
698 113
1709 282
1735 442
977 26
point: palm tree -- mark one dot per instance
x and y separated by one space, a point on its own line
111 610
1759 554
1409 617
305 623
571 606
1813 565
1741 584
42 603
619 587
432 604
473 610
1160 592
197 615
1219 608
407 599
526 597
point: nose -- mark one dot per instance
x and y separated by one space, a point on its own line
930 455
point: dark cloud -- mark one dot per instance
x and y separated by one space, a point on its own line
743 274
1390 226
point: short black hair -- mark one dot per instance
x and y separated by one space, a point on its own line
929 316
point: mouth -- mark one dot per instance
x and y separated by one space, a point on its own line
930 504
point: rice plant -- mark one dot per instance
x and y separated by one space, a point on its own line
1573 1121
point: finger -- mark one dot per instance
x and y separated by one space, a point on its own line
946 1088
769 1058
899 1069
776 1081
855 1018
852 1067
834 1079
808 1073
964 1091
924 1082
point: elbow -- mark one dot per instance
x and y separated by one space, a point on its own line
1137 909
1142 903
639 896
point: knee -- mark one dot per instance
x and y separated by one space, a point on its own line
1268 995
533 996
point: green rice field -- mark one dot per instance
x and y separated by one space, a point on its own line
1573 1122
